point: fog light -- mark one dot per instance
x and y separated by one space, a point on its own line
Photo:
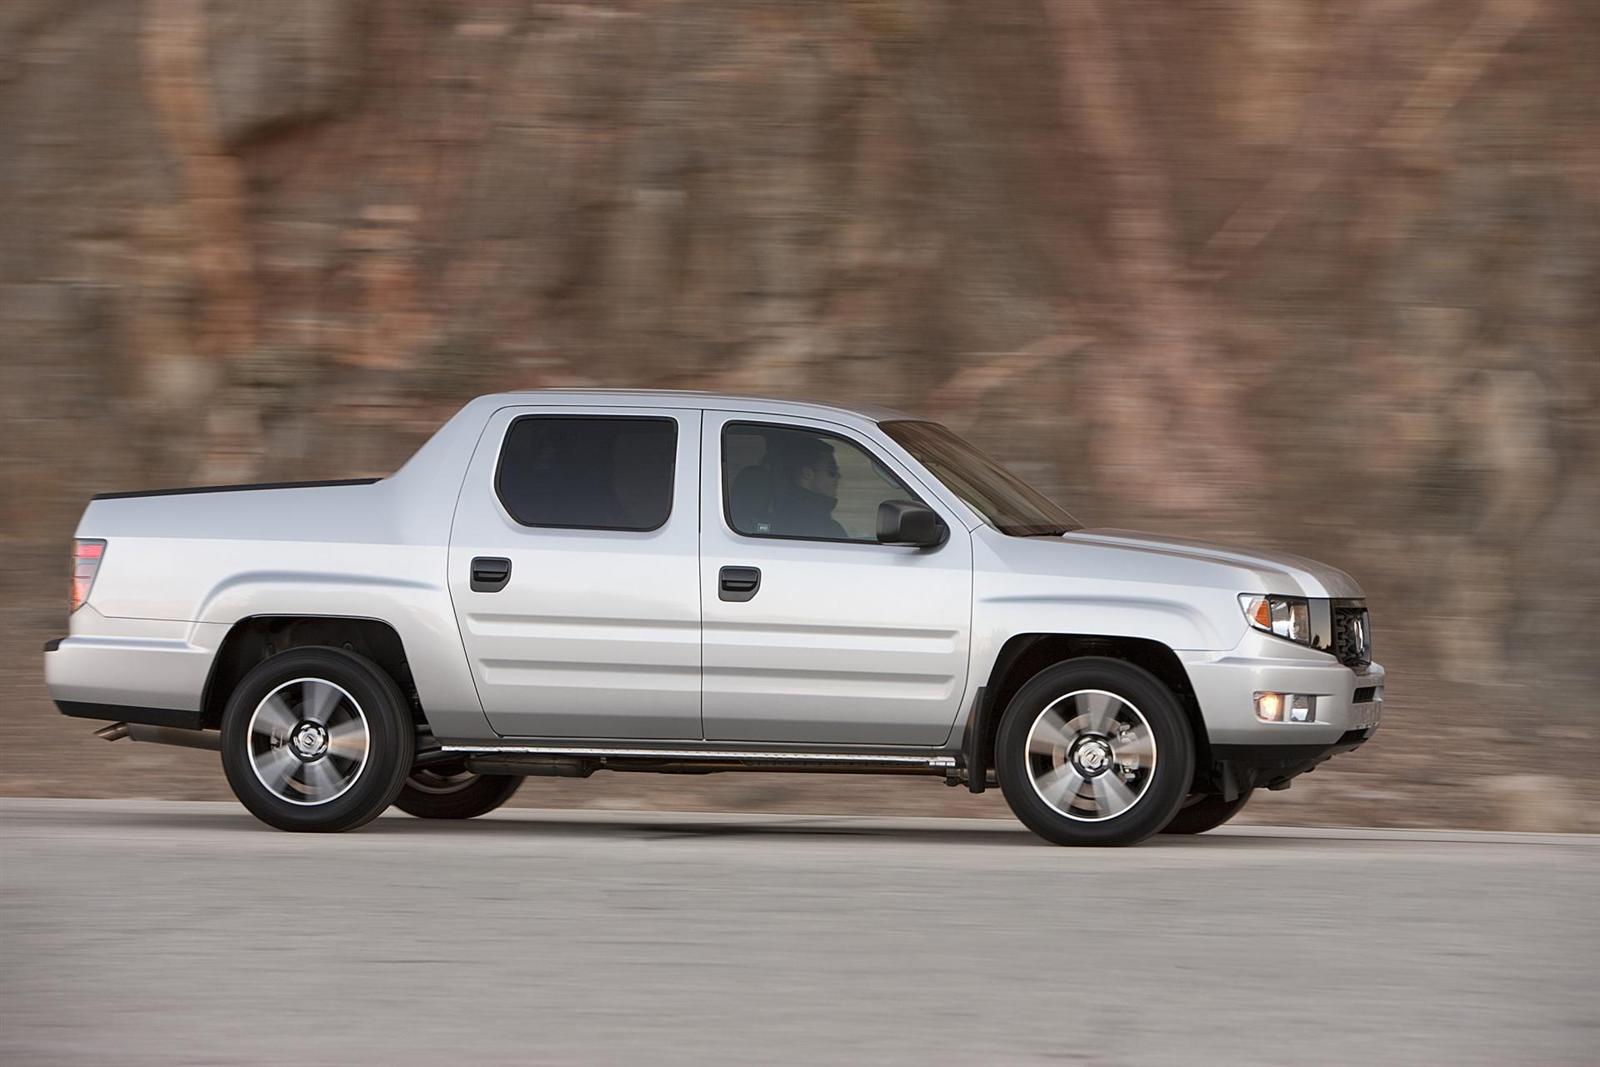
1286 707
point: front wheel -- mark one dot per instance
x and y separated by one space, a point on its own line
317 739
1206 813
450 791
1094 752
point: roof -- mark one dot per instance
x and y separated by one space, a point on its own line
694 398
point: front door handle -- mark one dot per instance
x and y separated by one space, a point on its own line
490 574
738 583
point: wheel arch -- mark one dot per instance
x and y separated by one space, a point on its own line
1024 655
256 638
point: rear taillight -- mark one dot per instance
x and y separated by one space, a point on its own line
86 556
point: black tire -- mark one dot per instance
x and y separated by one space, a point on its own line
450 791
367 699
1207 813
1157 786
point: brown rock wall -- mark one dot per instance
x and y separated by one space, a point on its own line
1316 276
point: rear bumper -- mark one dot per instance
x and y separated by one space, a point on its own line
131 664
1225 684
183 720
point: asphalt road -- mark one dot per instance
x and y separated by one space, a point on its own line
171 933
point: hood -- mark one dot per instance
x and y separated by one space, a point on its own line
1279 572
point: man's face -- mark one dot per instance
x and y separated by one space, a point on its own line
822 478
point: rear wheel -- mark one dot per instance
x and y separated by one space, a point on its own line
1094 752
450 791
1206 813
317 739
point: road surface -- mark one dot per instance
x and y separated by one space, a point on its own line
173 933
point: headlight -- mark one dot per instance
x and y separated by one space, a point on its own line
1286 616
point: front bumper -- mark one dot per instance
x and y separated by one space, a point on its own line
1235 768
1349 704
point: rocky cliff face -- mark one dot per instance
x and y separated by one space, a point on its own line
1317 276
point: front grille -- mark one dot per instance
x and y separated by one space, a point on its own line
1352 633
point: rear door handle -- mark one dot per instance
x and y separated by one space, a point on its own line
738 583
490 574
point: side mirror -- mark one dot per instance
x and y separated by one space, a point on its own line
904 522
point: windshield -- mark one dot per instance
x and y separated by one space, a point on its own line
1008 503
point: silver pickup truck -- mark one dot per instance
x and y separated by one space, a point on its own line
561 582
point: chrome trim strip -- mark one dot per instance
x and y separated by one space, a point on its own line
695 753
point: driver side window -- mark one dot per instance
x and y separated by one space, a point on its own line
793 482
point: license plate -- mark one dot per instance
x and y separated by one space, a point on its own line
1365 715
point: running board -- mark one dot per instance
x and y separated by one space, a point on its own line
662 759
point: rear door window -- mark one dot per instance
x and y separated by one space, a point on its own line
588 472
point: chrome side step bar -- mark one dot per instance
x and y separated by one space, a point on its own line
736 755
602 757
580 761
